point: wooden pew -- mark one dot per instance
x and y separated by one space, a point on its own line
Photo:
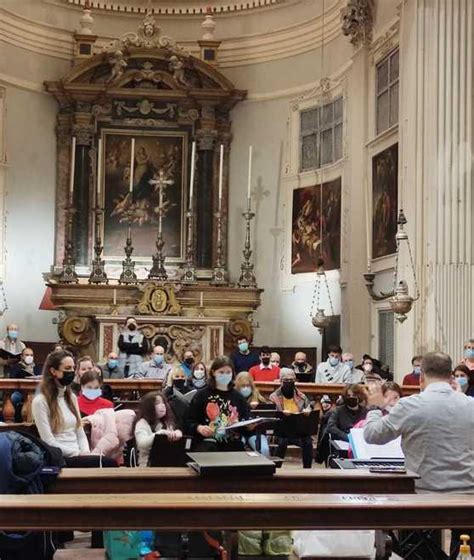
196 512
185 480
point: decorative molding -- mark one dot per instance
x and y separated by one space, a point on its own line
357 21
385 41
278 44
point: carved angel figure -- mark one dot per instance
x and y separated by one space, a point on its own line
119 64
177 68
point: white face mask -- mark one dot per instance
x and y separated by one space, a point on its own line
199 373
28 360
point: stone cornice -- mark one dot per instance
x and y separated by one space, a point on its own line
252 49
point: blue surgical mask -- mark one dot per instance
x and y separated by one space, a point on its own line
417 370
199 383
223 380
350 363
244 346
92 394
112 364
13 334
462 381
158 359
469 353
333 361
245 392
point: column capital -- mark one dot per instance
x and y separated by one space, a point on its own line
206 138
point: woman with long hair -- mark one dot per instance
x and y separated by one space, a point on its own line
198 379
215 408
245 384
155 417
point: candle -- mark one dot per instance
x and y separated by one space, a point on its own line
115 296
221 172
99 168
201 300
73 165
367 224
191 180
132 164
250 173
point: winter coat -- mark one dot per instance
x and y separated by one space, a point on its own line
110 431
21 462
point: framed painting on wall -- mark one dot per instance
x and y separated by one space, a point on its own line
154 152
384 202
316 227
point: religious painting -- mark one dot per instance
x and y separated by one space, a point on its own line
384 202
316 227
159 165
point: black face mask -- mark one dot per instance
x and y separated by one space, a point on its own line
179 383
288 389
301 366
67 378
189 361
351 401
132 327
265 361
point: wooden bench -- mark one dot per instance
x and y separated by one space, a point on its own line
173 512
185 480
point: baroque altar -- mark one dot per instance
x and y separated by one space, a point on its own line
143 142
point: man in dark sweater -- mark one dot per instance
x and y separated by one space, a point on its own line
242 357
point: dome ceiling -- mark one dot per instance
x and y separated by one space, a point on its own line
177 7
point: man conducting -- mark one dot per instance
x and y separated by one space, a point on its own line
436 427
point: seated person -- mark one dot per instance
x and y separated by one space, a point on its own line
333 370
265 371
90 398
156 367
83 365
216 407
322 448
392 393
154 417
464 378
243 358
275 359
111 370
198 378
187 363
413 378
356 374
352 411
300 366
289 400
24 369
468 359
174 391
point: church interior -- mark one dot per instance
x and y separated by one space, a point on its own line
236 253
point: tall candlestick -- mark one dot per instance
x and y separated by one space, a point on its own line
73 165
191 180
132 164
250 173
201 300
115 296
221 173
99 168
367 224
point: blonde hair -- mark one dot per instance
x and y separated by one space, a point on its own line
244 378
172 373
49 388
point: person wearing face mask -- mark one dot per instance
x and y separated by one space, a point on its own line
352 411
56 413
216 407
156 368
12 344
468 359
198 378
464 379
176 388
133 346
25 369
356 375
111 370
304 371
243 358
333 370
155 417
90 399
290 400
265 371
187 363
413 378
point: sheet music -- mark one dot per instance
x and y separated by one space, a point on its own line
363 450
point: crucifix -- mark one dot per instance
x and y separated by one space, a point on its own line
159 183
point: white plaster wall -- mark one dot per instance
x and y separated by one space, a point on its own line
30 206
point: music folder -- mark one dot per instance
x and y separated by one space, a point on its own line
6 355
297 425
242 463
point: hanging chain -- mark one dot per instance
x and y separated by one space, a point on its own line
316 295
329 293
395 270
412 263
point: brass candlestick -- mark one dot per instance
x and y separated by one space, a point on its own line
98 274
247 277
68 274
128 275
189 269
219 273
158 271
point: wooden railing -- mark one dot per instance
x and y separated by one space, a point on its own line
130 390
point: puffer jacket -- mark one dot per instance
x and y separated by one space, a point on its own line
21 462
110 431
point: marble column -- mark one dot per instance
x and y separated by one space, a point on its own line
436 174
204 207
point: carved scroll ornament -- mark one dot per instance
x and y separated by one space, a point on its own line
159 300
77 331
